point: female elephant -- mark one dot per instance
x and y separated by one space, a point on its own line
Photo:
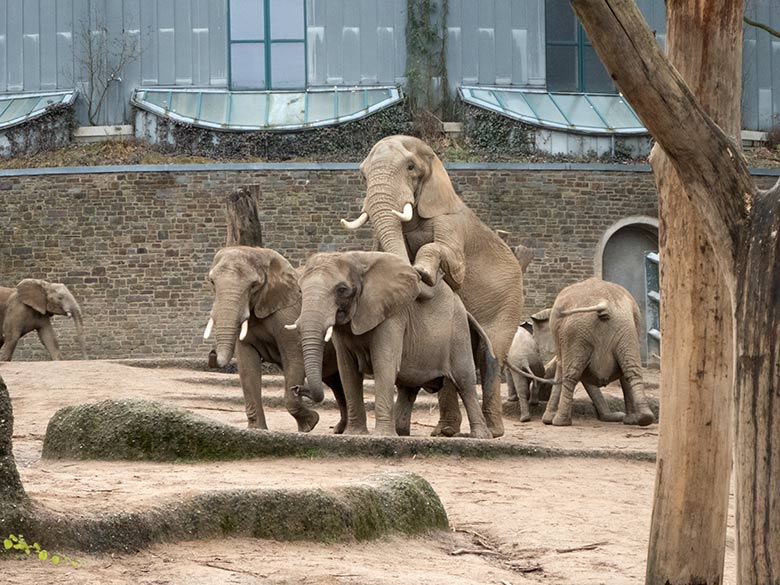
416 214
366 301
255 295
596 325
29 307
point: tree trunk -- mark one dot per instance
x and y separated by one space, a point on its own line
12 494
243 223
742 226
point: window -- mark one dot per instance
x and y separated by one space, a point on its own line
572 63
267 44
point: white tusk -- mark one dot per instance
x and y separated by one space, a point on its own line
244 329
355 223
328 334
209 326
406 215
68 314
292 327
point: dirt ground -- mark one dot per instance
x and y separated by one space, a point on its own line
565 520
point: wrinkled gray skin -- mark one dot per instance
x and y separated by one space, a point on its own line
443 233
383 326
260 285
29 307
596 328
523 355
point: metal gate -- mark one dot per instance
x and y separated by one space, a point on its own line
653 303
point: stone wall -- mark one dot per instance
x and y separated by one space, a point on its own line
134 244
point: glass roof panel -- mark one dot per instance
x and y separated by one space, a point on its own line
266 110
577 110
18 109
583 113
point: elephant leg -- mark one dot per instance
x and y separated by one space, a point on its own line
522 384
466 385
637 410
352 382
450 416
603 411
49 341
8 347
511 391
305 417
572 369
386 351
250 373
404 403
334 382
554 400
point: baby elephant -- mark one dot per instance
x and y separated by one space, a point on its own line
369 303
30 307
523 361
596 328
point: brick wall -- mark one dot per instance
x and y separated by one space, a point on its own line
134 245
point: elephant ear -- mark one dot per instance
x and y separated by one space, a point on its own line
436 196
32 292
524 255
543 315
388 284
281 287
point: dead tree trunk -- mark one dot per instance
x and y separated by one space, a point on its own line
243 224
742 227
13 498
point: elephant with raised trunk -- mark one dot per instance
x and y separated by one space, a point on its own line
416 215
255 295
382 324
596 327
30 307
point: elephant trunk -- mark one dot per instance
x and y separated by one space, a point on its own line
313 325
79 323
381 202
228 317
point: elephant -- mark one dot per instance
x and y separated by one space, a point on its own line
416 215
524 358
29 307
255 295
596 328
385 322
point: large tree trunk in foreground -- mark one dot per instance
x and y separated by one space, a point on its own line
688 531
12 495
243 224
742 227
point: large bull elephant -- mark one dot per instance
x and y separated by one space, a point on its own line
255 295
416 214
29 307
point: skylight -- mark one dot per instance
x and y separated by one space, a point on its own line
20 107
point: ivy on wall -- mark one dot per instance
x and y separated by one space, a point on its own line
426 56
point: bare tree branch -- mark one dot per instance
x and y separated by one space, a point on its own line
762 26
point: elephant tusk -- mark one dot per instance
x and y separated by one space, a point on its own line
407 213
207 332
355 223
244 329
292 327
68 314
328 334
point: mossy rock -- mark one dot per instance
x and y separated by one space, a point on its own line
139 430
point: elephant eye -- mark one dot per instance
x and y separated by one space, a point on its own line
342 290
410 166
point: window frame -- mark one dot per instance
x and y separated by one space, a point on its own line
581 43
267 43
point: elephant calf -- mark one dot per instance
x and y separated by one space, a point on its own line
255 295
30 307
596 328
370 303
523 360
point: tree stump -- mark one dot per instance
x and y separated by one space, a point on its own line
243 223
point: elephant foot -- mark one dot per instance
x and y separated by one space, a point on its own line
525 418
495 424
641 419
385 430
512 398
533 402
256 425
403 431
547 417
613 417
425 274
445 429
308 421
561 421
340 426
353 430
481 433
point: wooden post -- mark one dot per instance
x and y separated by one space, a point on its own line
243 223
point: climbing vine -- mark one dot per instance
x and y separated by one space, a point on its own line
426 55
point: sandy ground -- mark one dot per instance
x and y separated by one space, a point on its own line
524 515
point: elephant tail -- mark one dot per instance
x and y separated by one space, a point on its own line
601 309
530 375
484 356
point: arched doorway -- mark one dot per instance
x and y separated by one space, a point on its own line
622 260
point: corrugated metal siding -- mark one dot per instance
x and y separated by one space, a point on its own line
184 42
353 42
761 68
496 42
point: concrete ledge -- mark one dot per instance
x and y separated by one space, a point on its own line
84 134
139 430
